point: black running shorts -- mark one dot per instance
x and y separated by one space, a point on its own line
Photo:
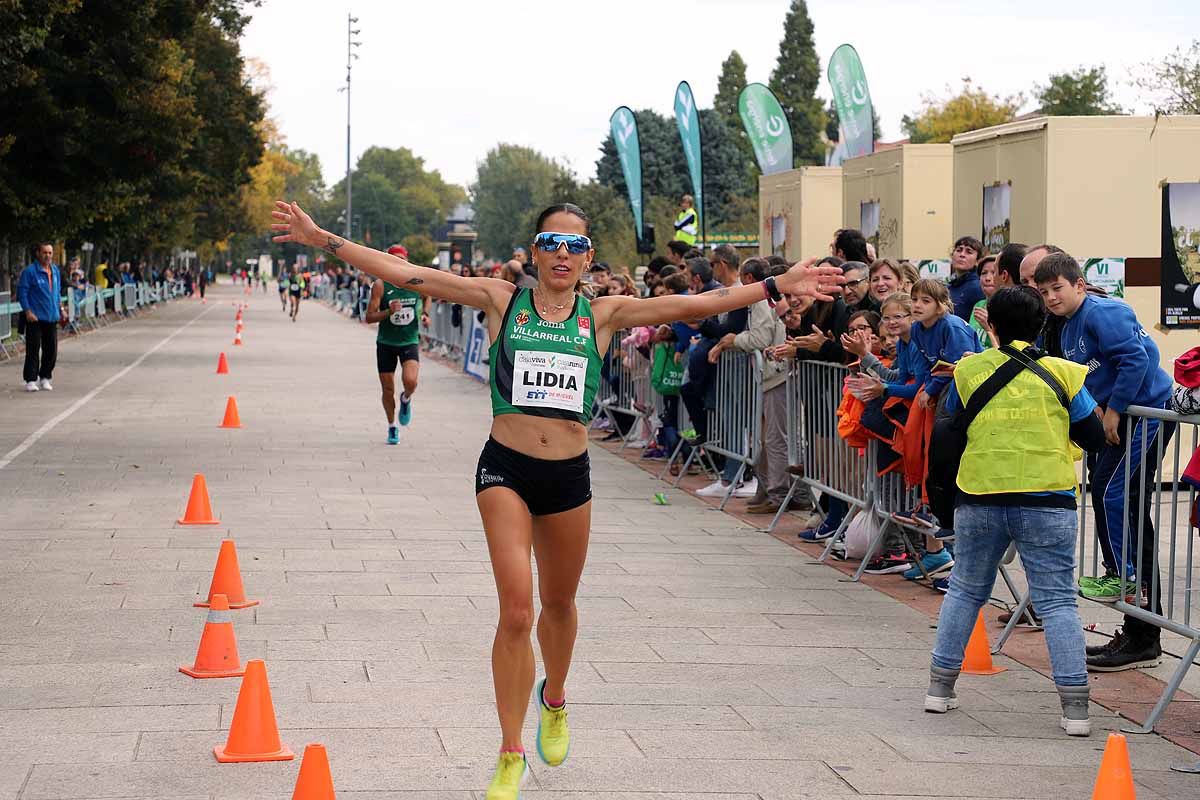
547 487
387 355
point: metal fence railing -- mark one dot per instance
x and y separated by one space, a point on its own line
735 424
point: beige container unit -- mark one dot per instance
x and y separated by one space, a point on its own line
1090 185
914 187
798 211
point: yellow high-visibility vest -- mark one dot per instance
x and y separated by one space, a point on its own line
687 226
1019 441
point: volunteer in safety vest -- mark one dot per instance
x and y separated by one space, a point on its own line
1017 484
687 223
399 313
532 483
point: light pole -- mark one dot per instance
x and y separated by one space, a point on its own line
351 31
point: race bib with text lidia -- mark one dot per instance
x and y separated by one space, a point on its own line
548 380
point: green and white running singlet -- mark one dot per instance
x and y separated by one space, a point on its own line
400 328
543 368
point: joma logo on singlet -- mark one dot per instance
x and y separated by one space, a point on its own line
549 380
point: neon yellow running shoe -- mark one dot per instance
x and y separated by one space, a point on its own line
553 738
511 770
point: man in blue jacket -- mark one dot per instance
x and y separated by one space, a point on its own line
1123 370
38 290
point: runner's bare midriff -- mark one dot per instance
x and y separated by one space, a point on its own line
540 437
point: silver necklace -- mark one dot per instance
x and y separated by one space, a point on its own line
547 308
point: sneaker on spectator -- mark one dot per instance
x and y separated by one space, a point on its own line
838 551
942 585
1108 589
612 436
30 386
715 489
655 453
1129 655
934 563
888 563
1023 622
819 533
765 507
44 385
1115 643
748 489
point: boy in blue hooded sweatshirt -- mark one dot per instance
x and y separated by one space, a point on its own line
1123 370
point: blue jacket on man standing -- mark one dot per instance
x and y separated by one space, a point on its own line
38 293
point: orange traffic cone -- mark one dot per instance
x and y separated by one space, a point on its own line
314 781
978 658
239 314
218 655
1115 779
227 580
253 735
199 512
222 365
239 327
232 420
237 338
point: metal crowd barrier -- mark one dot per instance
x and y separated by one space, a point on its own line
625 388
735 425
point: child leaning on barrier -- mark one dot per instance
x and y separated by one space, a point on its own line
666 376
1123 370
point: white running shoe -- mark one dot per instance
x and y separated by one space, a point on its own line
44 385
747 489
715 489
30 386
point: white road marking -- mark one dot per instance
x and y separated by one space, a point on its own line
32 439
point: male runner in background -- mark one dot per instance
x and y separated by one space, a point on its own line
399 313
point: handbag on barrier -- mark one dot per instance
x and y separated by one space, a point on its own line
949 439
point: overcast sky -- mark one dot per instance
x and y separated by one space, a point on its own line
451 79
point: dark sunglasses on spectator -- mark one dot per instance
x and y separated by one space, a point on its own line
854 282
549 241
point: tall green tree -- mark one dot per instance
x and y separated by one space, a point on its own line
941 119
664 168
512 186
729 89
1172 85
1082 92
794 81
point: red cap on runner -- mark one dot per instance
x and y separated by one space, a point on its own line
398 250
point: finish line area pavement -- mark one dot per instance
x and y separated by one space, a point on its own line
713 661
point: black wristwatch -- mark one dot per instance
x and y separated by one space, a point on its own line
772 290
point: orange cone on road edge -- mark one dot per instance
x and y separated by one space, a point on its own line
227 580
314 782
1115 779
253 734
217 656
222 365
199 511
239 326
237 338
232 420
978 658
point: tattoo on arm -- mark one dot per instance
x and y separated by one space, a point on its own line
332 243
414 281
722 293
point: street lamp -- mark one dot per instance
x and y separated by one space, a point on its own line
351 32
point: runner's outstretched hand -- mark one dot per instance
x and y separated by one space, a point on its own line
805 279
294 225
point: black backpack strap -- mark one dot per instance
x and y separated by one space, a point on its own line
987 390
1028 359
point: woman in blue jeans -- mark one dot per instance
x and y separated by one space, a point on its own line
1017 484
